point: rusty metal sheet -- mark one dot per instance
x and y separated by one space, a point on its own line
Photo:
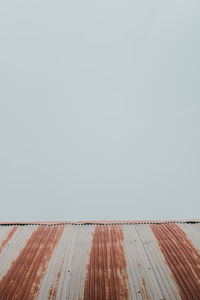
23 278
182 258
14 246
192 231
149 276
67 269
100 261
107 277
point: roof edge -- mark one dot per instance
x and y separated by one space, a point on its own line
51 223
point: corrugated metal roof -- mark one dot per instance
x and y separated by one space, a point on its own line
100 260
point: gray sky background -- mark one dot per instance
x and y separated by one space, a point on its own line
99 109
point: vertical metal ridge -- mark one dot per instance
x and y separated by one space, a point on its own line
142 280
192 231
100 261
107 278
182 258
26 272
157 261
80 261
65 283
12 274
172 260
7 239
12 250
73 250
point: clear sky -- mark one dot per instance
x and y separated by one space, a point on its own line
99 109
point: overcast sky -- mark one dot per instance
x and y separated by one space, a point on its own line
99 110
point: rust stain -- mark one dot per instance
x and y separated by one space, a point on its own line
182 258
10 234
144 290
107 277
53 289
22 281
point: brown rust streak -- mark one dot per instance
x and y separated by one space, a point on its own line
10 234
22 281
107 277
53 289
144 290
182 258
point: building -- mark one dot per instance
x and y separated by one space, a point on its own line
100 260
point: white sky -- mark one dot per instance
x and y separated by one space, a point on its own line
99 109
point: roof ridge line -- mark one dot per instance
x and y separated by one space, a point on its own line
98 223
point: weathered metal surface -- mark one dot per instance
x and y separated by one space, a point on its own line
100 261
22 280
66 273
8 237
148 275
13 248
107 276
182 258
192 231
